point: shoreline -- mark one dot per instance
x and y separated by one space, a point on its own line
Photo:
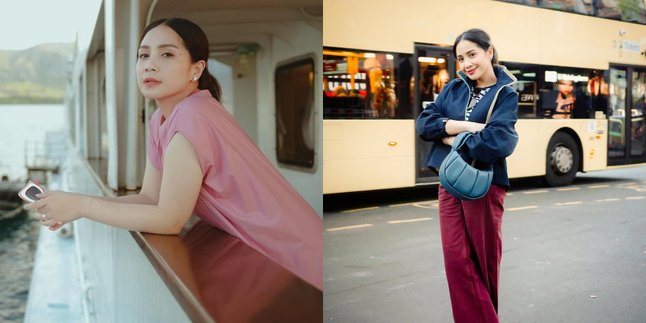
3 101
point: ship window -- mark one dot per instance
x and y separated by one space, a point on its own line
295 113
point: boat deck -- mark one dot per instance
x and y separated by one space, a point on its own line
55 291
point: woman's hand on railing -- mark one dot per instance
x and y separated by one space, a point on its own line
57 208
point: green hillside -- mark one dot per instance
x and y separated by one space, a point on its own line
35 75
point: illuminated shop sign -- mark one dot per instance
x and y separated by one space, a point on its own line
553 76
432 60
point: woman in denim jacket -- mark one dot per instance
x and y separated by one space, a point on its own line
471 230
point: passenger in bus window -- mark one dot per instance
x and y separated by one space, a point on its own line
200 161
564 100
471 229
429 83
385 100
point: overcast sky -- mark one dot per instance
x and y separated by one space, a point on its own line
27 23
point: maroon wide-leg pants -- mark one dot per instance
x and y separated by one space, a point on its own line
472 245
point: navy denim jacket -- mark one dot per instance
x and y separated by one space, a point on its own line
491 145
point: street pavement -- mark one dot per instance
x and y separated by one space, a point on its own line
570 254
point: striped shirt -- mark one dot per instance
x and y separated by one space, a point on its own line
476 96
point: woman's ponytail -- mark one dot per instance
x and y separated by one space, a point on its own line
208 82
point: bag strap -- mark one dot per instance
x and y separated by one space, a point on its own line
460 139
491 107
495 98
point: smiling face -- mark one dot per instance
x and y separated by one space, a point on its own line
164 69
474 61
565 87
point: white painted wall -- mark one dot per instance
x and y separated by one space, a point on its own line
289 41
224 74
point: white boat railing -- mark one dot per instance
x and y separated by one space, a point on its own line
117 275
117 281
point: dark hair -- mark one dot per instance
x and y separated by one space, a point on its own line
478 37
197 44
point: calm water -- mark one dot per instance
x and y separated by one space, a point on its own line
18 239
21 123
19 236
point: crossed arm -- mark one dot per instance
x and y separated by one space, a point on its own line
454 127
429 125
164 204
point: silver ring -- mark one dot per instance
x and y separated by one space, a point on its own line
43 217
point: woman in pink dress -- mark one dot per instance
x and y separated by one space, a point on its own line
200 161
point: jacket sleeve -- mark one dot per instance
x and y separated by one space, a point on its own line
499 138
430 125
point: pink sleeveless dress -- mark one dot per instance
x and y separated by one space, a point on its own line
242 192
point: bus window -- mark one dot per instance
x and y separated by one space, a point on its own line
598 89
638 127
433 76
366 85
616 113
526 87
558 92
624 10
564 93
582 7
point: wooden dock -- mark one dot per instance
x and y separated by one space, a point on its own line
44 158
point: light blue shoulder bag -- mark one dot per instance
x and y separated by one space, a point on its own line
461 179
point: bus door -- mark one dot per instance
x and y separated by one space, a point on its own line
626 107
434 67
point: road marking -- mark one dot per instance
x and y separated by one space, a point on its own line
598 186
350 227
361 209
409 220
432 206
568 189
635 187
413 203
608 200
522 208
402 204
635 197
536 192
568 203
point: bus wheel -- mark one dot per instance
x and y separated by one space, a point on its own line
562 160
